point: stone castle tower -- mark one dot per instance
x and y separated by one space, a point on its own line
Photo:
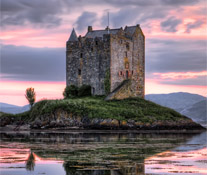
110 60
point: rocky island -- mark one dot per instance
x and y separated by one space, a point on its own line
96 113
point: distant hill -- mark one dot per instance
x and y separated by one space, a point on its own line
177 101
190 105
197 112
13 109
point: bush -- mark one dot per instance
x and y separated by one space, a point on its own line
70 91
84 90
30 96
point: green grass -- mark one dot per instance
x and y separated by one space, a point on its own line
136 109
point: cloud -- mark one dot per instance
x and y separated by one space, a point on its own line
179 2
171 24
22 12
132 15
125 16
175 55
86 19
32 64
199 81
144 3
182 78
194 25
50 13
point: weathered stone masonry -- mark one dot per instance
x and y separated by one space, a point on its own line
121 52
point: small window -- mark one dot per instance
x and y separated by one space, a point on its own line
127 46
81 55
125 53
97 43
132 72
93 90
127 74
79 71
120 41
120 72
91 49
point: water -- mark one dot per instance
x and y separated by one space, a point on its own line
102 153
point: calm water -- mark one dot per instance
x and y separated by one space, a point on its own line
102 153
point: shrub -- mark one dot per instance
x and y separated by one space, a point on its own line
70 91
30 96
84 90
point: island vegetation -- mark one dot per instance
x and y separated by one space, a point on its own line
80 109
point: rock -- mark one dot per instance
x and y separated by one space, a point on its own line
115 123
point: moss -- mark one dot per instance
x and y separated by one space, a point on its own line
107 83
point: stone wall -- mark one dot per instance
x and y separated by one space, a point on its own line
128 62
87 62
121 60
139 62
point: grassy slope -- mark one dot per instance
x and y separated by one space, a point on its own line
136 109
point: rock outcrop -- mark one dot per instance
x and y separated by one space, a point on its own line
62 119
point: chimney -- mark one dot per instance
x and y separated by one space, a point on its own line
90 29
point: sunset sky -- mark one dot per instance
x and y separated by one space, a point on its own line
34 34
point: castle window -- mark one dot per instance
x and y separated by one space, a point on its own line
132 72
91 49
81 55
127 46
97 43
93 90
79 71
120 72
127 74
125 53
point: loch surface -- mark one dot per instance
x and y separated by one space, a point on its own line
102 153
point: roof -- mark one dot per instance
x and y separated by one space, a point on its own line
130 30
73 36
100 33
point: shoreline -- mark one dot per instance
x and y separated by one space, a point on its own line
96 131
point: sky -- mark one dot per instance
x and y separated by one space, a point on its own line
34 34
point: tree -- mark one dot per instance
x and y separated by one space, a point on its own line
70 91
30 96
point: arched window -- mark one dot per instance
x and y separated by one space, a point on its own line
81 55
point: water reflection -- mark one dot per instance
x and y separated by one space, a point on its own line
30 162
102 153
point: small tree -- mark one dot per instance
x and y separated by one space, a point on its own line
30 96
70 91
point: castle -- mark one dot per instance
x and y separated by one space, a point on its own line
110 61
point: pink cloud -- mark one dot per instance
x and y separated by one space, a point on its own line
13 91
153 86
180 75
